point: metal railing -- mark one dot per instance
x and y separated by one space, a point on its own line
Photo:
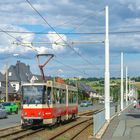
99 117
99 120
112 110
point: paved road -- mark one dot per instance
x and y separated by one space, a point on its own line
97 106
10 121
15 118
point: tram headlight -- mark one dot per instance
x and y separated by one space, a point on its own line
39 113
24 114
43 114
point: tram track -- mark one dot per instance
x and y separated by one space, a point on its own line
17 134
79 125
14 133
81 130
24 134
84 124
9 130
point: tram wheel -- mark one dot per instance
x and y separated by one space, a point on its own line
58 120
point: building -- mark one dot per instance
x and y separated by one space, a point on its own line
17 74
11 90
20 73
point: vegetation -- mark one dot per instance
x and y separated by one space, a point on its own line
136 79
138 94
97 84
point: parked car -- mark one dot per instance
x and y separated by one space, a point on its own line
84 104
90 103
10 107
3 112
101 101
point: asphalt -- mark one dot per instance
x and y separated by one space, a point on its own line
125 126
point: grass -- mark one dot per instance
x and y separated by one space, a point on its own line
137 84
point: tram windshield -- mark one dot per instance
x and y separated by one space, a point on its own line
33 94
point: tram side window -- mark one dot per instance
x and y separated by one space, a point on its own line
62 97
72 97
59 96
47 95
56 96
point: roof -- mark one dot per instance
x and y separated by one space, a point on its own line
10 89
39 77
20 72
86 88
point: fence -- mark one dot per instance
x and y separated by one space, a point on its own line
112 110
99 120
99 117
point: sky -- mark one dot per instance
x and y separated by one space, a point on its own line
77 27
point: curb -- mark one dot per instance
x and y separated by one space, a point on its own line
102 131
119 113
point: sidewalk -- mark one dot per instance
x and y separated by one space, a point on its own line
124 127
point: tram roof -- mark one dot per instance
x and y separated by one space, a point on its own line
52 84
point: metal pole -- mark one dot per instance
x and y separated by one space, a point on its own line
136 92
6 82
121 80
129 84
126 88
107 74
129 92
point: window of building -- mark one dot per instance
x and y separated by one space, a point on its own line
10 74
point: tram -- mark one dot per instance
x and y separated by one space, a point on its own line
48 102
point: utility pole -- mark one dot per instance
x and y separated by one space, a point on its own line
121 80
126 88
107 73
6 82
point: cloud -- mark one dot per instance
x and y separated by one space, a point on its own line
3 69
58 42
6 44
125 43
60 71
67 16
72 16
15 54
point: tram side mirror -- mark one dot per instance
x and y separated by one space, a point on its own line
24 101
48 99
